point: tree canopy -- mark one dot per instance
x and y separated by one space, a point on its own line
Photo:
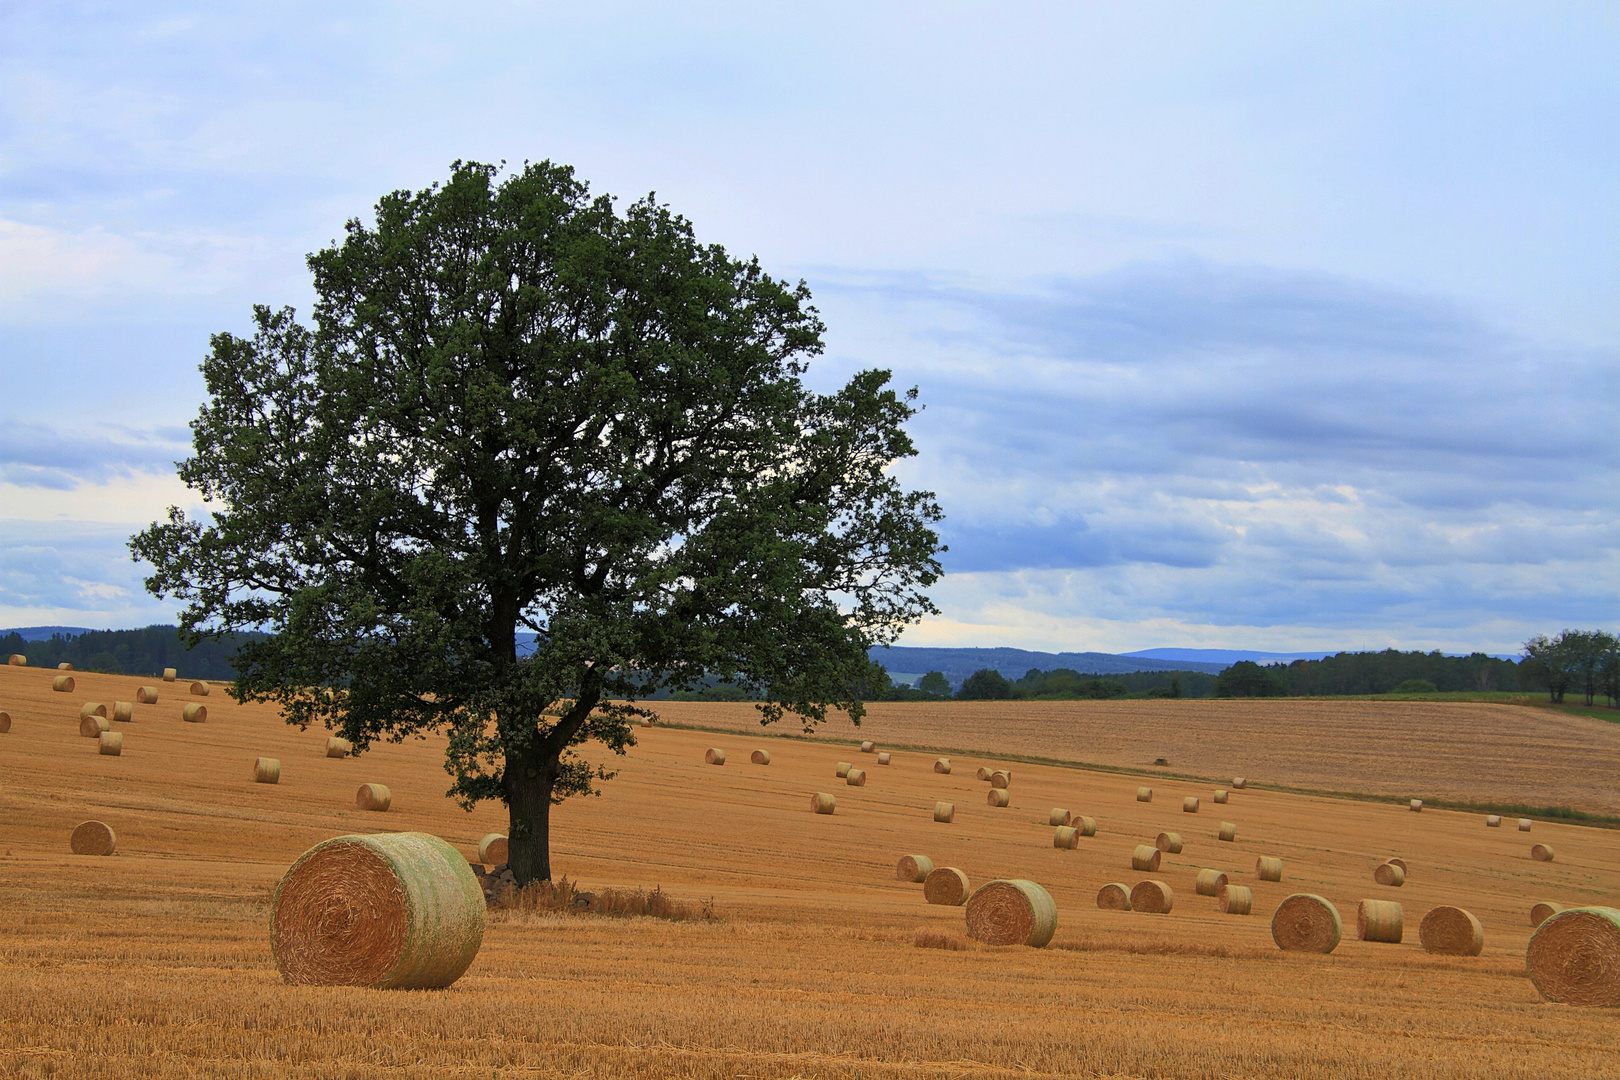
520 410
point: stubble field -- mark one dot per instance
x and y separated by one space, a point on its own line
156 961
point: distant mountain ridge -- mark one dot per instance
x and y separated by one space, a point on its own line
1229 656
44 633
958 664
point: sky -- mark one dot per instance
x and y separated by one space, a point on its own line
1246 326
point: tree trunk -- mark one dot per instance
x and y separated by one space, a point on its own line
528 840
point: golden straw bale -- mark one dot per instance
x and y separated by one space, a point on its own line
942 766
92 726
389 911
1395 861
146 695
1086 825
1546 909
168 674
337 746
5 722
1541 853
195 714
493 849
1001 778
1144 794
944 812
946 885
1220 795
199 689
1379 920
843 769
63 684
1307 923
1236 899
868 747
1239 782
1145 857
18 660
822 803
1152 897
92 838
123 711
998 797
884 757
267 770
1057 817
714 756
1114 897
913 868
1065 837
1416 805
760 757
1169 841
92 708
983 773
1014 912
1574 957
1268 868
1227 832
1209 882
1189 805
856 778
111 744
373 797
1389 874
1451 931
1524 824
1493 821
64 666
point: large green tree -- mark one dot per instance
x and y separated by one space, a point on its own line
522 412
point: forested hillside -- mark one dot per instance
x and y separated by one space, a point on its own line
129 652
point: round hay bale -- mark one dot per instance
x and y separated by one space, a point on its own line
822 803
267 770
942 766
1227 832
1236 899
1541 853
194 714
1169 841
1220 795
63 684
1451 931
913 868
1146 858
111 743
5 722
123 711
983 773
1144 794
1189 805
337 746
92 838
1065 838
493 849
1152 897
646 721
946 885
1389 874
146 695
1416 805
1307 923
944 811
199 689
92 726
843 769
1014 912
1114 897
998 797
714 756
1524 824
856 778
1057 817
884 757
17 659
1540 913
168 674
92 708
1086 825
1268 868
373 797
760 757
1379 920
1394 861
1209 882
1493 821
64 666
392 911
1574 957
868 747
1239 782
1001 778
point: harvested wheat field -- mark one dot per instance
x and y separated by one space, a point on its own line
156 960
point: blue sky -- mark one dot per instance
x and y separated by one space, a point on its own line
1238 326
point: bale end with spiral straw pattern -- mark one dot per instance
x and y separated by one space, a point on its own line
1451 931
1087 825
944 812
1236 900
1379 920
373 797
1152 897
1389 874
92 726
1306 922
1114 897
111 744
1169 841
1146 857
493 849
714 756
983 773
1001 778
1541 853
146 695
822 803
1574 957
946 885
1015 912
913 868
760 757
92 838
199 689
942 766
1268 868
998 797
18 660
1209 882
267 770
1540 913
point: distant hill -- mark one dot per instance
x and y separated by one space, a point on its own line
1227 656
44 633
958 664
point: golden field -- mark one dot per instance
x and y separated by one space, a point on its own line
156 961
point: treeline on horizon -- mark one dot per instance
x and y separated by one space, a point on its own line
146 651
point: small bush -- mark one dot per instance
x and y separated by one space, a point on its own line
1416 686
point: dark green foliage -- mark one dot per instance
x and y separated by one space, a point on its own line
521 411
934 683
1588 660
986 684
133 652
1247 679
1415 686
1063 684
1383 672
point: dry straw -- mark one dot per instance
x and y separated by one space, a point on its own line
1239 782
1114 897
336 746
946 885
199 689
64 666
1227 832
92 726
1541 853
168 674
1493 821
1389 874
63 684
267 770
1379 920
1546 909
1086 825
146 695
111 743
856 778
1189 805
822 803
1014 912
391 911
1057 817
843 769
1209 882
944 811
1152 897
884 758
1574 957
998 797
868 747
1145 857
1065 838
1396 861
92 708
1220 795
1307 923
373 797
714 756
1236 900
983 773
1268 868
1417 805
913 868
1144 794
123 711
194 714
92 838
5 722
942 766
760 757
1524 824
492 849
1451 931
18 660
1001 778
1169 841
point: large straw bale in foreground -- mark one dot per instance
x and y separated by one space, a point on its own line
1451 931
942 766
1389 874
944 812
1208 882
63 684
1016 912
913 868
946 885
337 746
1541 912
146 695
92 838
1541 852
493 849
823 803
1146 857
267 770
1152 897
760 757
373 797
1236 899
714 756
1574 957
1268 868
998 797
389 911
1307 923
1169 841
92 726
111 743
1379 920
1114 897
194 714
